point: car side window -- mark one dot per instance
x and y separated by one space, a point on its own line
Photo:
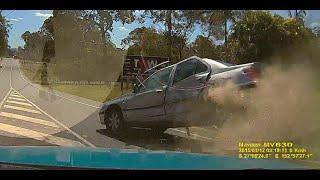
201 67
184 70
156 80
188 68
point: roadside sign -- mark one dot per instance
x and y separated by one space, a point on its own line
134 65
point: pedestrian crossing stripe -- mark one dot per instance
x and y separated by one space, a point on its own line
18 99
22 109
20 103
28 119
39 136
15 95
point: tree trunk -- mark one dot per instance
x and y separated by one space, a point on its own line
169 26
103 36
225 33
104 40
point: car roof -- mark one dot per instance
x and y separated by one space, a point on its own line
215 63
209 61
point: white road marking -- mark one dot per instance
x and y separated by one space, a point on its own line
39 136
28 119
18 99
22 109
205 129
43 89
5 97
20 103
58 122
56 140
11 76
15 95
14 92
195 135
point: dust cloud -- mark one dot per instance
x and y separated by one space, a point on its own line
283 107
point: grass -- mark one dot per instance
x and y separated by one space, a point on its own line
94 92
100 93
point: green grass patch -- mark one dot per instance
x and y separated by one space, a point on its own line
100 93
116 92
30 71
94 92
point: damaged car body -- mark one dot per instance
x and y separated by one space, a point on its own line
170 97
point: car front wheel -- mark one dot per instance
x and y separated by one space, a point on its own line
114 123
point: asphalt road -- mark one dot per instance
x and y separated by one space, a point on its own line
31 115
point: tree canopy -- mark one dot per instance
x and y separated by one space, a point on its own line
85 36
4 34
259 35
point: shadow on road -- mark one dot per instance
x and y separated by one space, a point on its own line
96 133
148 139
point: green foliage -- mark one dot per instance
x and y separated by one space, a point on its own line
4 30
215 23
259 35
179 25
104 19
297 14
81 39
316 31
75 44
204 47
146 42
34 44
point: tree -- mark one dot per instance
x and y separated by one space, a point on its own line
216 22
316 30
259 35
104 20
34 43
25 36
4 34
48 54
145 42
47 28
178 26
298 15
204 47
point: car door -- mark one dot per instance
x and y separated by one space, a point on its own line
147 103
188 81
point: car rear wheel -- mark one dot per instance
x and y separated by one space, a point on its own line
114 123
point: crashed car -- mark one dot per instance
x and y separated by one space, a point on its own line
168 96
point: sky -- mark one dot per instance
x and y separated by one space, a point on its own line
32 20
